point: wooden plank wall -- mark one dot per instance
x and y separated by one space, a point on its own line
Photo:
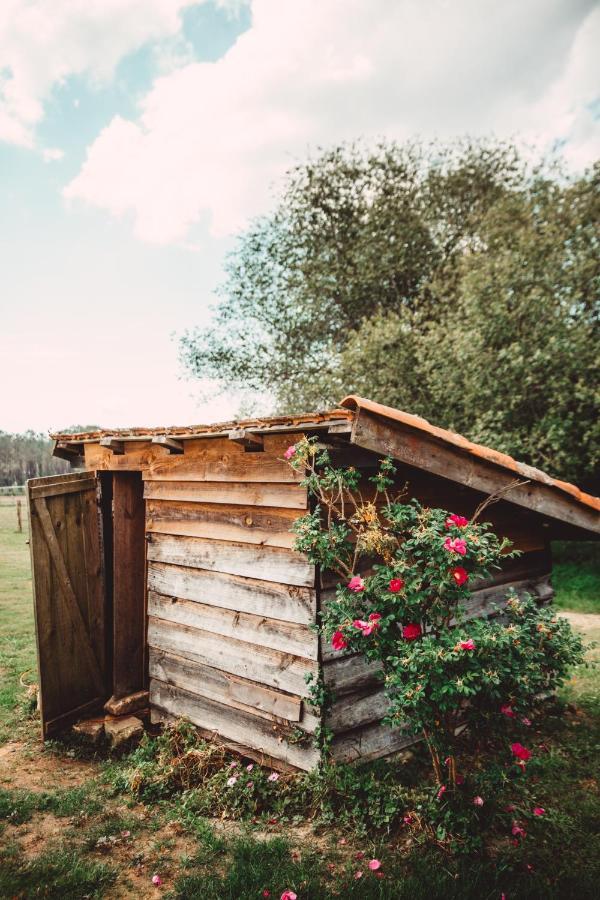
360 704
230 604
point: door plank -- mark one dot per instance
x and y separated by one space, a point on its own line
72 604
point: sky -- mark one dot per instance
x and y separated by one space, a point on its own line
139 137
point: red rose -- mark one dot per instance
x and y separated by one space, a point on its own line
521 752
458 521
411 632
460 575
396 584
338 641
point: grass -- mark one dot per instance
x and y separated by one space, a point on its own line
59 873
308 838
576 576
17 643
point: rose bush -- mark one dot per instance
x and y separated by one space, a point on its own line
402 600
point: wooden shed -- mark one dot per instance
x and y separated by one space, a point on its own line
166 561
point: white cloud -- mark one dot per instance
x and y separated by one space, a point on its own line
52 154
43 42
212 137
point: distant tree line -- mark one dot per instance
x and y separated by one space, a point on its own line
29 455
460 283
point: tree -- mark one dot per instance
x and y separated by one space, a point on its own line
456 282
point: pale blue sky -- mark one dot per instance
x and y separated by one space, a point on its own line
138 136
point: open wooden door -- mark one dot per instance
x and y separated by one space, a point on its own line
69 597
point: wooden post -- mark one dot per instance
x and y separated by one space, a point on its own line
129 612
19 516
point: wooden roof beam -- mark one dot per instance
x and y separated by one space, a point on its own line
111 443
169 443
246 439
66 450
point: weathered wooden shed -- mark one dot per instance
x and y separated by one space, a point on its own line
166 562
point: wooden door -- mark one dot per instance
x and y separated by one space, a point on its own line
69 597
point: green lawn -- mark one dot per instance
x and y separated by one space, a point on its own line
17 643
576 576
103 830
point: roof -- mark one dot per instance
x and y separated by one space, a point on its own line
349 411
479 450
261 423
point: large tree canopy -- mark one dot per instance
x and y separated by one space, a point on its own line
454 282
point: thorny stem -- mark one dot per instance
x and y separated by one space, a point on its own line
434 757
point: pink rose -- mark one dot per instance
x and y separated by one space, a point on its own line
539 811
455 545
441 791
411 632
517 831
458 521
468 644
288 895
338 641
273 777
460 575
291 451
525 720
478 801
507 710
395 585
356 584
156 880
374 864
369 627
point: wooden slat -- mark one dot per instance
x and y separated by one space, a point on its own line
248 560
129 619
486 601
370 742
224 687
51 490
244 524
251 661
66 478
286 637
357 709
221 460
423 451
277 601
251 731
287 496
137 456
351 673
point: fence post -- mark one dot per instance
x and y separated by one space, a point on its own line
19 516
